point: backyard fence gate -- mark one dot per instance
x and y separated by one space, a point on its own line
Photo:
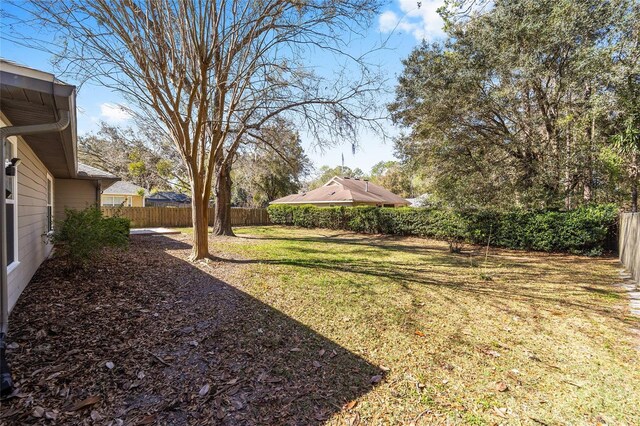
629 242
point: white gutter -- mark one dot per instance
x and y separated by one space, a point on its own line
5 132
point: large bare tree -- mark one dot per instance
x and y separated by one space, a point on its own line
210 72
268 56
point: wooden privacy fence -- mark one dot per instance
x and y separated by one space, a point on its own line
143 217
629 242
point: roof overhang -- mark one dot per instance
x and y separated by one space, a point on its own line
28 97
105 182
86 172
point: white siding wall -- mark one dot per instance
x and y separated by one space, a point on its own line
33 247
32 220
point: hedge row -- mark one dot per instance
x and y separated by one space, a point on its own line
583 230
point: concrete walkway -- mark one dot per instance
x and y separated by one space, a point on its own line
153 231
634 292
629 284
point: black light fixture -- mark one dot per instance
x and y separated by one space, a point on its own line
10 169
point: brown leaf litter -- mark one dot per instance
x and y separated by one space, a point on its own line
115 345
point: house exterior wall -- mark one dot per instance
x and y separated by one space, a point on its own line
33 247
136 200
73 194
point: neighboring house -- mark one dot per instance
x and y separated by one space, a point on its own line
123 193
346 191
42 176
168 199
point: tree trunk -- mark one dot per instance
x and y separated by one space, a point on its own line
200 217
587 193
568 173
634 184
222 209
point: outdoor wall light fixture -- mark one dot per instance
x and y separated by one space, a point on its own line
10 168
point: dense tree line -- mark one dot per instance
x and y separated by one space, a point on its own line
531 103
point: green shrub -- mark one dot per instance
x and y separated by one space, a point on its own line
84 233
583 230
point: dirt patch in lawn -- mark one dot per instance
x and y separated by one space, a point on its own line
145 337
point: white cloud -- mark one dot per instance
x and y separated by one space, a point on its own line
114 113
388 21
422 22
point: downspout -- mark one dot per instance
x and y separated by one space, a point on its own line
6 382
98 192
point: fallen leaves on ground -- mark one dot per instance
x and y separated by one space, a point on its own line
146 337
84 403
502 387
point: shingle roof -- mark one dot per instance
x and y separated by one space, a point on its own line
124 187
345 189
47 75
86 171
168 196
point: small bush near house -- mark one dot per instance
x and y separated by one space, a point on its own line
583 230
84 233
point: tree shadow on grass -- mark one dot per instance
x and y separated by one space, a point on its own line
185 347
352 239
500 294
397 243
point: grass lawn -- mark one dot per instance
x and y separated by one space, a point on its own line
295 327
521 338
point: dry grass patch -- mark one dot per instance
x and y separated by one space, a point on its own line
521 338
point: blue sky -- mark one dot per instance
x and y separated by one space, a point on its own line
402 24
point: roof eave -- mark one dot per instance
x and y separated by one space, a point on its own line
63 96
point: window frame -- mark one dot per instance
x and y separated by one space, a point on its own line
109 201
13 145
50 204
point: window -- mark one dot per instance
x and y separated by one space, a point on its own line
116 201
11 187
49 203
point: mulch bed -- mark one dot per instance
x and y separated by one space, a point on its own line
146 337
